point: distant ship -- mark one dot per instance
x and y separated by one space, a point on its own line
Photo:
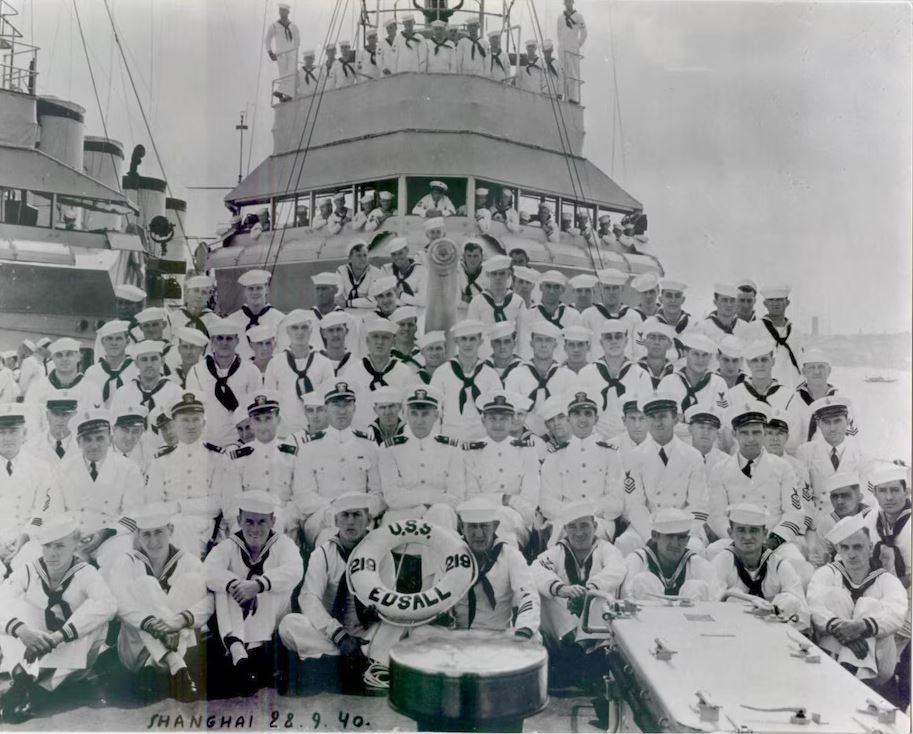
879 378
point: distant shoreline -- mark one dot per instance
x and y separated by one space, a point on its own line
874 351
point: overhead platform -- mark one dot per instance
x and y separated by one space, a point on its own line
415 153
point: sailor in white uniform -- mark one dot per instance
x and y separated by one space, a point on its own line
856 611
129 300
338 460
311 76
367 59
410 275
436 203
472 51
356 276
385 209
816 369
760 384
502 343
386 49
774 325
195 312
332 620
410 51
252 574
32 367
891 522
658 344
671 313
723 321
531 75
116 367
162 602
552 287
441 53
191 345
262 340
64 375
497 65
571 34
285 36
53 617
844 491
612 282
553 86
577 340
497 302
150 388
729 355
255 309
337 334
342 72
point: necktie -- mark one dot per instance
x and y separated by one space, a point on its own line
93 471
59 450
9 468
835 460
662 455
746 470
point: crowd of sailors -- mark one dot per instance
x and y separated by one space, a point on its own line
443 48
195 493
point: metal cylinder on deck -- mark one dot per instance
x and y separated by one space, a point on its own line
103 160
174 257
149 196
61 126
468 681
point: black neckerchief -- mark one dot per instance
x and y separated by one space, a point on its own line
532 65
195 322
577 575
303 384
556 319
668 369
342 362
377 376
612 382
308 75
856 591
673 584
408 39
496 59
774 387
147 397
55 380
373 55
476 44
720 325
691 392
171 564
56 610
444 44
604 312
224 394
402 275
471 279
550 63
754 585
469 383
498 308
377 432
114 376
288 29
541 382
491 557
253 319
356 283
781 341
346 68
406 358
569 18
254 568
888 536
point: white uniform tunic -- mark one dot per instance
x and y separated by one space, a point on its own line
411 281
311 80
483 307
268 467
786 348
571 35
269 316
526 380
9 388
710 391
442 57
509 467
367 63
819 458
596 315
694 577
531 76
183 317
277 568
86 392
110 380
364 378
141 595
24 484
553 85
355 289
712 327
30 371
386 55
776 395
81 605
603 569
799 414
613 391
286 40
427 203
165 393
880 601
241 379
584 469
562 317
893 542
292 383
497 66
411 53
45 448
459 416
472 56
342 74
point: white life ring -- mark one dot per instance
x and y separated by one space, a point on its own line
408 610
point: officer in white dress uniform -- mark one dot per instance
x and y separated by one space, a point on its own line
571 34
856 610
64 375
410 51
704 425
129 437
52 444
53 617
252 574
285 36
162 602
115 368
333 462
256 308
332 621
150 388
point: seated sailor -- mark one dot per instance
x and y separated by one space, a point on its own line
844 490
332 620
857 609
252 574
746 567
388 404
435 203
53 616
666 567
891 522
162 601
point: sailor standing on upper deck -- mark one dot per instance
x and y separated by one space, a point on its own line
531 76
497 65
287 39
571 32
472 52
410 52
442 54
368 59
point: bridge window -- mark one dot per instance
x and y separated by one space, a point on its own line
417 188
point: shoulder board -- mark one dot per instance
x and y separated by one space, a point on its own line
473 445
395 441
212 447
308 437
553 448
164 451
523 443
287 448
241 452
607 445
362 434
446 440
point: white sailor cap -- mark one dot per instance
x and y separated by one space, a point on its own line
553 276
389 22
345 43
431 337
671 521
548 44
129 293
612 326
581 399
473 20
386 395
154 515
189 335
11 414
370 31
260 333
778 290
814 356
299 316
478 510
526 274
335 318
89 421
327 279
699 342
438 185
845 528
481 191
500 330
262 401
467 327
757 348
224 327
575 511
842 480
29 344
885 473
380 326
496 401
645 282
313 399
731 346
386 195
577 333
657 402
8 354
56 528
309 53
146 346
653 325
438 23
494 32
113 327
727 290
747 284
255 277
703 414
746 513
130 415
326 201
240 416
424 395
612 276
552 408
330 47
257 501
531 42
408 17
382 285
153 313
404 313
584 280
751 411
284 6
396 244
830 405
350 501
433 223
518 247
676 286
545 328
522 403
198 281
367 194
340 195
44 341
357 242
189 402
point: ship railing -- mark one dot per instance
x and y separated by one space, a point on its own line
572 82
18 60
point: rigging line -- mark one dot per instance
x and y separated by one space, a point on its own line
617 99
253 122
317 98
146 123
110 76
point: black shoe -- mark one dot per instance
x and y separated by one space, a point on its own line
16 705
182 687
246 677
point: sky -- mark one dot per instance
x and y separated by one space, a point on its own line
766 140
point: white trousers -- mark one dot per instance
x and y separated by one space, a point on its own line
300 636
256 627
882 655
